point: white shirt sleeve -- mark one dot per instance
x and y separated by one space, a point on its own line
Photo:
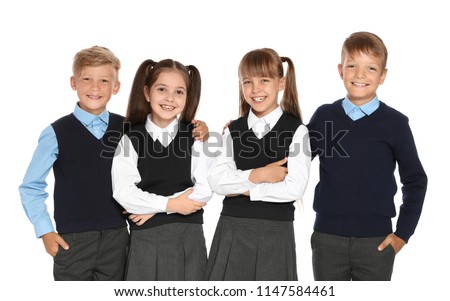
125 175
201 162
224 177
294 184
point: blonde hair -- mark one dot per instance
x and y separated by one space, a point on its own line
93 57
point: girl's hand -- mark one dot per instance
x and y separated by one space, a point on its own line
140 219
183 205
200 131
52 241
271 173
225 126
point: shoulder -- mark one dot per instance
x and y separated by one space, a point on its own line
330 106
393 113
239 123
185 126
326 112
289 122
136 130
63 119
395 117
116 117
64 124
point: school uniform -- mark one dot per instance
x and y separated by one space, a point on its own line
79 147
151 166
359 148
254 238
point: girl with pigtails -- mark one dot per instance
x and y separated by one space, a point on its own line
159 174
265 170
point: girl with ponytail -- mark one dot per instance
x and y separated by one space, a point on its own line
159 174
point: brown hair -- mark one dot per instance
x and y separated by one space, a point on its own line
365 42
266 62
147 74
92 57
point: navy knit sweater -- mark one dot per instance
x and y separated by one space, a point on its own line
355 194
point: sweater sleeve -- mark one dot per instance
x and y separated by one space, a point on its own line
413 179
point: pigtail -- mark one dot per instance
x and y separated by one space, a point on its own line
193 97
138 106
289 103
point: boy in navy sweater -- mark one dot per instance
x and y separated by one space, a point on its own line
359 140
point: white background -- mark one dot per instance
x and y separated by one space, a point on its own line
40 38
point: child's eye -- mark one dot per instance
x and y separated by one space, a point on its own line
245 82
350 66
372 69
105 81
85 79
161 89
265 80
180 92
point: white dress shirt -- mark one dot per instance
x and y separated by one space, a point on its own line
125 174
225 178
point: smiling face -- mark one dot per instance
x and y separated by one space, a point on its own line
95 86
167 97
361 74
261 93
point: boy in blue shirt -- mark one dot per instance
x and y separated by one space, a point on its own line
92 236
359 140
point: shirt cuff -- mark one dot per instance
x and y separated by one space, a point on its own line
43 227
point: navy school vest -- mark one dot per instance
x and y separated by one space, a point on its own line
83 198
251 152
165 171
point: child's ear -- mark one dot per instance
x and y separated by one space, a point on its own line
282 84
116 88
383 76
73 83
341 73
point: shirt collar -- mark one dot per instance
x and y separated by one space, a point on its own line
271 119
367 108
156 132
86 118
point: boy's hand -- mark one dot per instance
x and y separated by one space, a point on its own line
271 173
140 219
200 131
183 205
392 239
52 241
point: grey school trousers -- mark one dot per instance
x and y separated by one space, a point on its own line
93 255
342 258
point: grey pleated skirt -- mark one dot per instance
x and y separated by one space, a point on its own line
250 249
171 252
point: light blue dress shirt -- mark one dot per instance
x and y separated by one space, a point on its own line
356 112
32 190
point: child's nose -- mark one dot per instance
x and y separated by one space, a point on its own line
360 73
95 86
256 87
